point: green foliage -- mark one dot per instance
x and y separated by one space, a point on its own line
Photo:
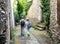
22 2
23 7
46 18
27 5
16 16
13 32
26 8
20 8
14 5
46 14
46 11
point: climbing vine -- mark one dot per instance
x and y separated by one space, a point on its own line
46 14
46 11
46 17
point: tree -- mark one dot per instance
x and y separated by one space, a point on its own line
19 8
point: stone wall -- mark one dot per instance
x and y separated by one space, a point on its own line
58 11
53 21
4 22
8 22
34 13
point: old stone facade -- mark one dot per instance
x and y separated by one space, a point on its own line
4 22
34 13
54 25
6 16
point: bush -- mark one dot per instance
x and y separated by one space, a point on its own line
13 33
21 8
46 11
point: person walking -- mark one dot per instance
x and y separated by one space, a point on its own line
28 25
22 23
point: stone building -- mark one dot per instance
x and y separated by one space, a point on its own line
35 15
55 20
5 21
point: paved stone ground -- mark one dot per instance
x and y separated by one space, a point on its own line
36 37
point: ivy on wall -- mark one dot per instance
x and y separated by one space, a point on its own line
46 14
46 18
46 11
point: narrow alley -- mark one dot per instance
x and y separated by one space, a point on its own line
36 37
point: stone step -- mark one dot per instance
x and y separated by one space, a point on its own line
40 26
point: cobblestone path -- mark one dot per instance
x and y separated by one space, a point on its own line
36 37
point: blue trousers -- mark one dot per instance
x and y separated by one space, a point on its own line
28 28
22 29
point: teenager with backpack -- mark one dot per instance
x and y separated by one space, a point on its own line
22 23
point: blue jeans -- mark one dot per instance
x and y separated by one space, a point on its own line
28 31
28 28
22 29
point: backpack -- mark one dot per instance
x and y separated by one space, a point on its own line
22 23
29 25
